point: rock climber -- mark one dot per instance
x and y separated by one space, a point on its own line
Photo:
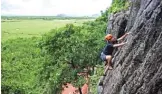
106 54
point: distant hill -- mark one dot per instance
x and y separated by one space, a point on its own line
86 16
95 15
61 15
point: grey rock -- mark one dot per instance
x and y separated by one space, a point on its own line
99 86
138 64
117 23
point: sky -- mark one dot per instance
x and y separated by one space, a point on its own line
53 7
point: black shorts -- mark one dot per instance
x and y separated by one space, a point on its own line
103 56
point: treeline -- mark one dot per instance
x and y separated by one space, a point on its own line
42 17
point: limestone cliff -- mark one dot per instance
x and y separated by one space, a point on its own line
138 64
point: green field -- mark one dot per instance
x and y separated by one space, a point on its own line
12 29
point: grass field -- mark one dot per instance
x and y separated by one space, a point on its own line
12 29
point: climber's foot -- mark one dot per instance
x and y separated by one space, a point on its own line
110 68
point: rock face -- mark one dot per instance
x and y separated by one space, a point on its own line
117 23
138 64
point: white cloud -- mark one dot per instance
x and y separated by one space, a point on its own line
53 7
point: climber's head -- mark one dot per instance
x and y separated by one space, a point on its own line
110 38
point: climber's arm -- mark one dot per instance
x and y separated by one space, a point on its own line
122 37
120 44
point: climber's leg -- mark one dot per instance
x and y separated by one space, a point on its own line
108 58
108 63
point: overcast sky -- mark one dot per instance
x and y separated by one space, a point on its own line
53 7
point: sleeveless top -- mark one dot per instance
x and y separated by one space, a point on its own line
108 50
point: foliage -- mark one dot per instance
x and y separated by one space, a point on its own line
22 61
117 5
39 66
73 45
99 69
104 16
